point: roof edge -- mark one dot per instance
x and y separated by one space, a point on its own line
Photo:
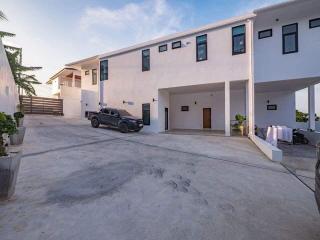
56 74
275 6
82 60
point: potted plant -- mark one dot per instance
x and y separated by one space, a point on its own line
240 119
19 116
17 138
9 162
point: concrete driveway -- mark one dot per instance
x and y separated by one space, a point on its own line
76 182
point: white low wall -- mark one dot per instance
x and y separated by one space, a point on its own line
71 101
305 125
273 153
9 97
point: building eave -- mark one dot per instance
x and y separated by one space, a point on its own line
58 73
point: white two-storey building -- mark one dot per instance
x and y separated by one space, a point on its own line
200 79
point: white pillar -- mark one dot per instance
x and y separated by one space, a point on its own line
251 110
311 107
73 80
227 107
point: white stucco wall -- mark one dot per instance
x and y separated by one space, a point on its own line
271 64
9 97
71 101
193 119
173 68
284 115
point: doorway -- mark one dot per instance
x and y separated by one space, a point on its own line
207 118
166 125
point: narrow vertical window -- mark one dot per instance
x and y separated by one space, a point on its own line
94 77
202 48
146 60
290 38
146 113
238 40
104 70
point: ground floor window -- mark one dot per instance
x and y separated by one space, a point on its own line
146 113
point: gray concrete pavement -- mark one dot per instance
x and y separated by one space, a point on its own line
77 182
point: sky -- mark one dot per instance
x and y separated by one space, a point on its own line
55 32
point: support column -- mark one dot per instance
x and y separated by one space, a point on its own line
227 107
73 80
311 107
251 91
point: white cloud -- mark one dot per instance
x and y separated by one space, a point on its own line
134 21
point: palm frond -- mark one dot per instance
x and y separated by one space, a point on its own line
2 16
6 34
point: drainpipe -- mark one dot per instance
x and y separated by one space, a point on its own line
251 109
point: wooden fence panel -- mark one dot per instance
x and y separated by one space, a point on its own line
41 105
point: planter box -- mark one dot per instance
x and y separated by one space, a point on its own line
21 122
9 167
17 138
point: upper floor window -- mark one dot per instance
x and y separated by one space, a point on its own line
163 48
290 38
313 23
146 60
94 77
202 48
104 70
265 34
176 45
238 40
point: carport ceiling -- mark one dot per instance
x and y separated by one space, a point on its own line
286 85
205 87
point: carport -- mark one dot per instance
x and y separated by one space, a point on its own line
204 109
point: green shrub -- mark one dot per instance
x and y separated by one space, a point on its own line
8 126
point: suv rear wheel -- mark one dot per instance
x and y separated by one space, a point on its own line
95 122
123 128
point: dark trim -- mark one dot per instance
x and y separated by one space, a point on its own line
144 68
173 43
163 45
199 44
315 19
107 70
237 35
263 31
296 34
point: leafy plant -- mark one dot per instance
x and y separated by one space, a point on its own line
240 118
301 117
23 79
17 116
7 126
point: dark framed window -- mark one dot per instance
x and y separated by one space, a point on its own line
239 40
176 44
163 48
290 38
265 34
313 23
86 72
94 77
146 113
145 60
104 70
202 48
184 108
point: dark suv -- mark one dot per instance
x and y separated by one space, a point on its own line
317 192
117 118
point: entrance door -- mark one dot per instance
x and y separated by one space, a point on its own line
166 113
207 118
